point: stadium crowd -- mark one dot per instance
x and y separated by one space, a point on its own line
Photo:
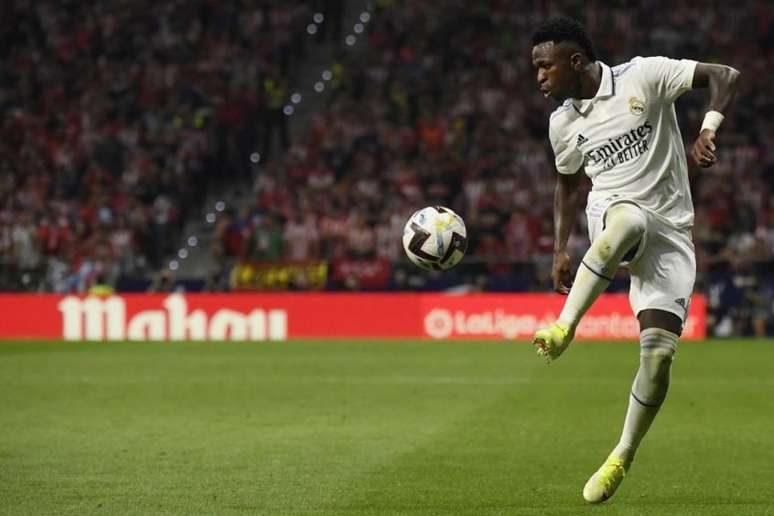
115 117
442 108
101 163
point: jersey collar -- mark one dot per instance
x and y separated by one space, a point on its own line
606 89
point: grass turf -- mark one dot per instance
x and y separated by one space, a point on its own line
374 428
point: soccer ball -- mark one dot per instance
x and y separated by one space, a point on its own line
435 238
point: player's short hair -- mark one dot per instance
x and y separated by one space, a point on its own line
562 28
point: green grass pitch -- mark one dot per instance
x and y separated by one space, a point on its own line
375 428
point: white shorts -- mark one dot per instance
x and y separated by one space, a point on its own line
663 268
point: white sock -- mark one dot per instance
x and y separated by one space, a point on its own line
625 225
648 391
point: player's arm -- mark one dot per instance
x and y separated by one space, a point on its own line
569 165
722 81
566 203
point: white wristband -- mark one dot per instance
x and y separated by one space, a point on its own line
712 121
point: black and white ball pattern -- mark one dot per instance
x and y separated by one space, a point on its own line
435 238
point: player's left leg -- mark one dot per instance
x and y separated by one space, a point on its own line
661 286
659 331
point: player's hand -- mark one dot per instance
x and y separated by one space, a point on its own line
561 272
703 151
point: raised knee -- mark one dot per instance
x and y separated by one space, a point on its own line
628 219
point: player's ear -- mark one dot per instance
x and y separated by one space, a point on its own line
577 61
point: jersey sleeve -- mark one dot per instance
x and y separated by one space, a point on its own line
668 78
568 159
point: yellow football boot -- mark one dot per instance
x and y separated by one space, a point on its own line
552 341
603 483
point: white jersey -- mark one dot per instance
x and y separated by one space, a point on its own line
627 139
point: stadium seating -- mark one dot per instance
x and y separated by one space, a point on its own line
101 165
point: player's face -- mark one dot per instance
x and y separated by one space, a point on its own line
556 74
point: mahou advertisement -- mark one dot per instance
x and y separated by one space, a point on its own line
278 317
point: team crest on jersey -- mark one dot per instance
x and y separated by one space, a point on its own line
636 106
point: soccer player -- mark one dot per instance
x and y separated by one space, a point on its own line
618 125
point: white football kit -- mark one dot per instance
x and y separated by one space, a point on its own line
627 141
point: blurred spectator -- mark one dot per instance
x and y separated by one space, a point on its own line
300 237
116 117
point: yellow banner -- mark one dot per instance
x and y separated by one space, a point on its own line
279 276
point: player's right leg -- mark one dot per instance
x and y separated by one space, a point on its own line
625 226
